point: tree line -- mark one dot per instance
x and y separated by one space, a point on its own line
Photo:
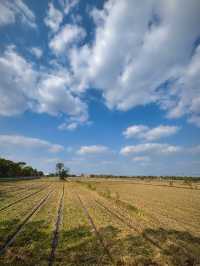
167 178
9 168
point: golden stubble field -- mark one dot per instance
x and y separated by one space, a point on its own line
99 222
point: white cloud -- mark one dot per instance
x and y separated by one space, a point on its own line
160 132
153 148
68 5
71 126
138 47
10 142
68 35
135 131
188 91
93 149
7 16
10 11
128 37
54 18
18 80
37 52
54 97
23 88
144 132
75 121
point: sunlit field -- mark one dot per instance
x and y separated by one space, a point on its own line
100 222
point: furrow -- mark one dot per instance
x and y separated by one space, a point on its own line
56 231
11 238
128 223
98 235
21 199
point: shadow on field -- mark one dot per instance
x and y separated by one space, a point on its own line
80 246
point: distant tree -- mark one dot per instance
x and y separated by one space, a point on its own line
40 173
28 171
21 164
59 168
61 171
64 173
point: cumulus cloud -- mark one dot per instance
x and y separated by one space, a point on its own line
53 18
128 60
55 98
135 130
23 88
153 148
68 35
10 142
93 149
68 5
149 134
129 36
37 52
18 80
10 11
71 126
188 92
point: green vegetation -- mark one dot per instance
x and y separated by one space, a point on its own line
10 169
62 171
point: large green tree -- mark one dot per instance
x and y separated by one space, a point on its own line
9 168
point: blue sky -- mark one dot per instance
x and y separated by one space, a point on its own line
103 86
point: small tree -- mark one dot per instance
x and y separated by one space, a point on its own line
62 171
59 168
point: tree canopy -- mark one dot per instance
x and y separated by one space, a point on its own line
62 171
9 168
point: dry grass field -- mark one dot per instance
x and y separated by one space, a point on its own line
99 222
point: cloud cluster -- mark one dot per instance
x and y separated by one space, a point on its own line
146 133
144 52
188 91
150 134
152 148
68 5
12 142
37 52
54 18
17 86
11 11
68 35
93 149
23 88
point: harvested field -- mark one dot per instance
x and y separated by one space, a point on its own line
100 222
